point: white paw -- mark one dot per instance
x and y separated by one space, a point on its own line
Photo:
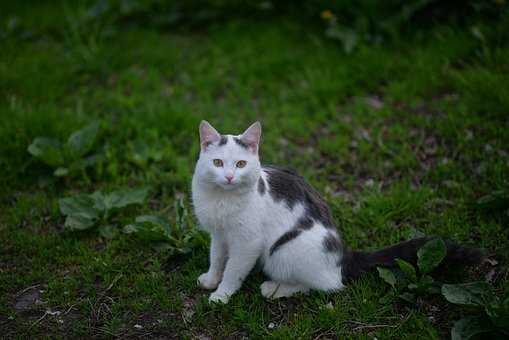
276 290
208 281
219 297
270 289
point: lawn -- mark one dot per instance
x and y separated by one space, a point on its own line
399 137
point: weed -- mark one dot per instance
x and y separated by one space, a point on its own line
70 158
86 211
492 312
409 283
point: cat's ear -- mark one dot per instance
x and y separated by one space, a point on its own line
251 137
208 134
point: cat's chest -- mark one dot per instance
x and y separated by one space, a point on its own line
220 212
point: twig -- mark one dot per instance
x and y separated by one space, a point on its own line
27 289
111 284
68 310
373 326
327 332
40 319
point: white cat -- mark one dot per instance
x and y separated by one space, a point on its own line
269 215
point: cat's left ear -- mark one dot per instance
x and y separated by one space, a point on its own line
208 134
251 137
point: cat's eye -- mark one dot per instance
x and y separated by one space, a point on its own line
241 164
218 162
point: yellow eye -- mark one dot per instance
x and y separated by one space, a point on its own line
241 164
218 162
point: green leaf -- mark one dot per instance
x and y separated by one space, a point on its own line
131 228
108 231
408 269
80 212
82 163
469 294
124 197
150 228
428 285
79 222
435 289
430 255
466 328
61 172
47 150
499 313
408 297
98 199
162 246
426 281
91 160
495 201
387 298
81 141
346 36
142 152
81 205
415 233
387 275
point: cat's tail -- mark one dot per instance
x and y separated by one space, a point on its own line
356 263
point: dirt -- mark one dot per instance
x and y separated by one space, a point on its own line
27 300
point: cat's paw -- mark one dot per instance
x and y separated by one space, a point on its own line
269 289
218 297
276 290
208 281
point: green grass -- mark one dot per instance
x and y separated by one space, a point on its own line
397 137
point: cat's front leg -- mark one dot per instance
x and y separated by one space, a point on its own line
218 255
241 259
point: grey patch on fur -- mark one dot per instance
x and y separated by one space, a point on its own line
261 186
223 140
286 185
331 243
240 142
303 223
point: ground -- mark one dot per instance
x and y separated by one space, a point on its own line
397 137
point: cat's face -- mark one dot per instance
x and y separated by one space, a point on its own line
226 161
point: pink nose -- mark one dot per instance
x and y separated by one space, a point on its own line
229 178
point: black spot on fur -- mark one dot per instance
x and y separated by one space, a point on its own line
286 185
240 142
285 238
303 223
261 186
223 140
331 243
354 263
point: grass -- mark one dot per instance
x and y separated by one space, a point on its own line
397 137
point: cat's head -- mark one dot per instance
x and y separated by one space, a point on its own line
226 161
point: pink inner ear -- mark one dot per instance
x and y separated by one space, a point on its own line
252 136
208 134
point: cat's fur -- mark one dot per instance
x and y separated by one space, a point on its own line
270 215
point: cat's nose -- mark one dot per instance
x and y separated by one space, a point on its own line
229 178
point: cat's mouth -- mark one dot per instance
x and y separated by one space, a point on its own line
228 185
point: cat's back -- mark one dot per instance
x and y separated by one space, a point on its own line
287 186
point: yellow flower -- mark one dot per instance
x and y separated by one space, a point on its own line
326 15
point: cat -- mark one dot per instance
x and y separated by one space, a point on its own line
271 215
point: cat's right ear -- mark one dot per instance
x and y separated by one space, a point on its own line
208 134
